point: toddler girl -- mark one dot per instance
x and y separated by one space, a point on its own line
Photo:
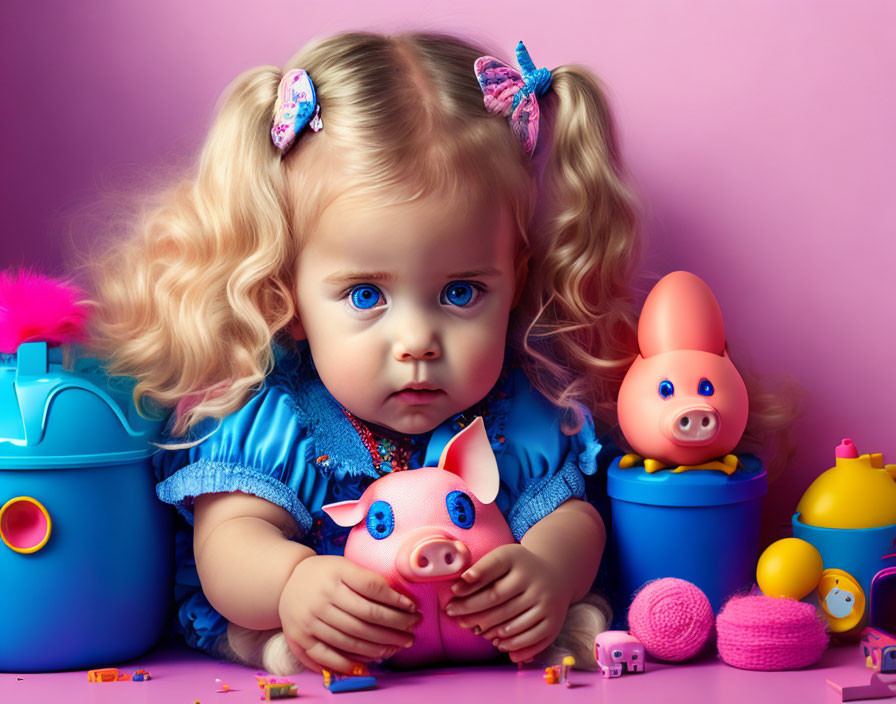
324 306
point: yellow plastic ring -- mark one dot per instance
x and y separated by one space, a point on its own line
20 519
842 600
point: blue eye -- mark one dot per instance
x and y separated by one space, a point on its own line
365 296
459 293
461 509
380 520
704 388
666 388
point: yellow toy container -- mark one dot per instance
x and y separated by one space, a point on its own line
849 514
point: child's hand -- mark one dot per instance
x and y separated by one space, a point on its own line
513 598
335 613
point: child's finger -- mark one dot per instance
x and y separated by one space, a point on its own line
491 618
330 658
353 626
364 650
372 612
533 650
526 639
492 566
301 655
516 623
493 595
375 588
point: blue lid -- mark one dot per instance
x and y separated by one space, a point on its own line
696 487
56 417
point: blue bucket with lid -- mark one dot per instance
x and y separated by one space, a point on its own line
86 566
699 525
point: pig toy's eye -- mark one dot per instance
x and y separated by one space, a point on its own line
461 509
380 520
666 388
704 388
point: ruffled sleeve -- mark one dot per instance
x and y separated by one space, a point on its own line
540 465
264 448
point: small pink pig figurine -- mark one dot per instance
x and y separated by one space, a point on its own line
682 402
617 652
421 529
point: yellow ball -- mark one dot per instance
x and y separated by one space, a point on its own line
789 568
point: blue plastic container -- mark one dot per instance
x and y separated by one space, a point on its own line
857 551
699 525
86 551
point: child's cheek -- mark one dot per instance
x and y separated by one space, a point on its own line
350 375
481 355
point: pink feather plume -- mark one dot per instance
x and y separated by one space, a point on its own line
37 308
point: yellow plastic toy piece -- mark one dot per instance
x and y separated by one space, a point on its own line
107 674
727 464
858 492
8 527
651 466
789 568
842 600
630 460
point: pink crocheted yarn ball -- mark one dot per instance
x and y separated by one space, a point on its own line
765 633
672 618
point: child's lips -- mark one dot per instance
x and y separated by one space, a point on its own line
417 397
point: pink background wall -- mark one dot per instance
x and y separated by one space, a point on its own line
759 135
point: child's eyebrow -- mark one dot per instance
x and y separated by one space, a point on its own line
483 273
341 278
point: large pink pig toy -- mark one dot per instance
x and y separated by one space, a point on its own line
682 402
421 529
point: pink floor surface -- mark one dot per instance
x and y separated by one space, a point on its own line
181 676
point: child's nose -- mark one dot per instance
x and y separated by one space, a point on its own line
416 343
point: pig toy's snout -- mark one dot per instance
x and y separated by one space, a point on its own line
439 557
694 425
432 558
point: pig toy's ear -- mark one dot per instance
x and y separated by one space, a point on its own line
469 455
681 313
346 513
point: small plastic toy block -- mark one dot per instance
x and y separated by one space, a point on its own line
280 691
879 649
107 674
359 680
274 688
559 674
352 684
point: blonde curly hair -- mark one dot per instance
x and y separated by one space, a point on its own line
189 305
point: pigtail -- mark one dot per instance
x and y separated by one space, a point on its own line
188 304
582 335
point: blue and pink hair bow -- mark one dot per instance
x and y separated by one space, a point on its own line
297 106
513 93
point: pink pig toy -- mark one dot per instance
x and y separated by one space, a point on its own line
617 652
421 529
682 402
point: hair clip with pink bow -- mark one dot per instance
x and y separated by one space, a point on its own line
513 93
